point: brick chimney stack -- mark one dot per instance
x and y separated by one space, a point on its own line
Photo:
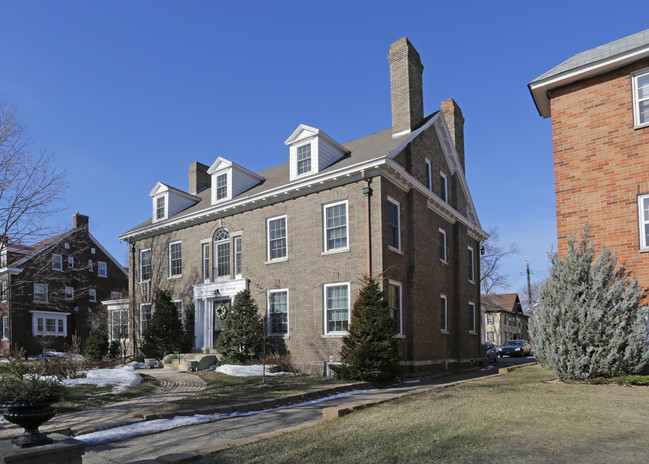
199 179
406 87
79 221
455 122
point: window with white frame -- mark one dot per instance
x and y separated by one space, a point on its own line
66 245
238 257
304 159
442 245
57 262
471 264
4 290
70 262
641 98
394 224
179 308
145 265
472 324
337 312
335 226
40 293
276 228
102 270
443 313
222 186
643 221
443 190
175 259
92 295
145 316
49 323
490 336
92 251
90 268
69 293
222 254
5 327
160 209
119 325
278 311
490 318
3 258
115 295
205 251
429 175
395 304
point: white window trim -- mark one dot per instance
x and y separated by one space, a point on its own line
268 221
205 261
288 325
4 290
636 102
155 207
398 284
445 259
445 298
92 295
475 321
239 274
92 250
445 186
150 315
5 327
311 157
150 264
398 205
115 295
227 172
49 315
47 293
643 225
70 262
58 259
324 226
101 273
90 268
128 322
71 291
349 309
472 264
429 174
181 308
175 276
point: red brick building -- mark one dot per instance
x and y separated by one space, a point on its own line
599 104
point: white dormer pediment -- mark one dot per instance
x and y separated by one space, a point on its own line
229 180
311 151
168 201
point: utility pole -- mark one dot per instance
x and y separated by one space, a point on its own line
529 288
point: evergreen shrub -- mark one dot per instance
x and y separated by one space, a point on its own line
242 338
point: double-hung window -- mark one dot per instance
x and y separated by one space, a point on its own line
276 229
3 258
335 224
57 262
304 159
490 318
92 295
5 327
222 254
443 313
278 312
101 269
471 264
442 245
394 302
337 312
160 208
40 293
222 186
49 323
175 259
70 262
429 175
145 317
69 293
643 221
443 193
641 98
4 290
206 261
472 324
115 295
145 265
119 326
238 257
394 224
179 308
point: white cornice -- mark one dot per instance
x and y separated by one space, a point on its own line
10 271
162 188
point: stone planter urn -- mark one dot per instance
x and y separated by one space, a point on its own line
30 416
150 363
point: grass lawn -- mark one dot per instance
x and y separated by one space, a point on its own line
520 417
224 390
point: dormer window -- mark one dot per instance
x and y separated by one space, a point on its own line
221 187
230 180
169 201
160 208
304 159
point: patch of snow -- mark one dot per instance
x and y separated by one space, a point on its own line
247 371
120 377
488 368
411 381
161 425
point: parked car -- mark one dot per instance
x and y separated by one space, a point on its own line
515 348
492 352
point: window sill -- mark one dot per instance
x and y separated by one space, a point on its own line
399 336
174 277
145 282
445 332
334 335
282 336
277 260
641 126
396 250
335 251
443 261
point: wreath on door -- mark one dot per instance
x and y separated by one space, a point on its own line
221 311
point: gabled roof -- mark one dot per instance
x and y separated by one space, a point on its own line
588 64
507 302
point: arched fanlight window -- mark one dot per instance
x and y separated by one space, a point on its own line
222 254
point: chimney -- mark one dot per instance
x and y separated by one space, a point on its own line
455 122
79 221
405 87
199 179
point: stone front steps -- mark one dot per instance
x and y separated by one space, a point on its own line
179 362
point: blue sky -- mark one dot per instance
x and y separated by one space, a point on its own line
128 93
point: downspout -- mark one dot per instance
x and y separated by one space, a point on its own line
131 296
367 191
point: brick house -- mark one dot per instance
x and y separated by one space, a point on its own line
51 290
301 234
504 318
599 104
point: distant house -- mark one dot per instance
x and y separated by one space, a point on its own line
504 318
52 290
599 104
301 234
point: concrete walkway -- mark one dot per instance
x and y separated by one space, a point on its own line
174 385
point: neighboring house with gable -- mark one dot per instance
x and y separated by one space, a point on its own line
300 235
52 290
504 318
599 104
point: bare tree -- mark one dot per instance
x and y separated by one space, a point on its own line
523 293
491 276
31 186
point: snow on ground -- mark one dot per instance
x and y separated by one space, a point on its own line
120 377
161 425
246 371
